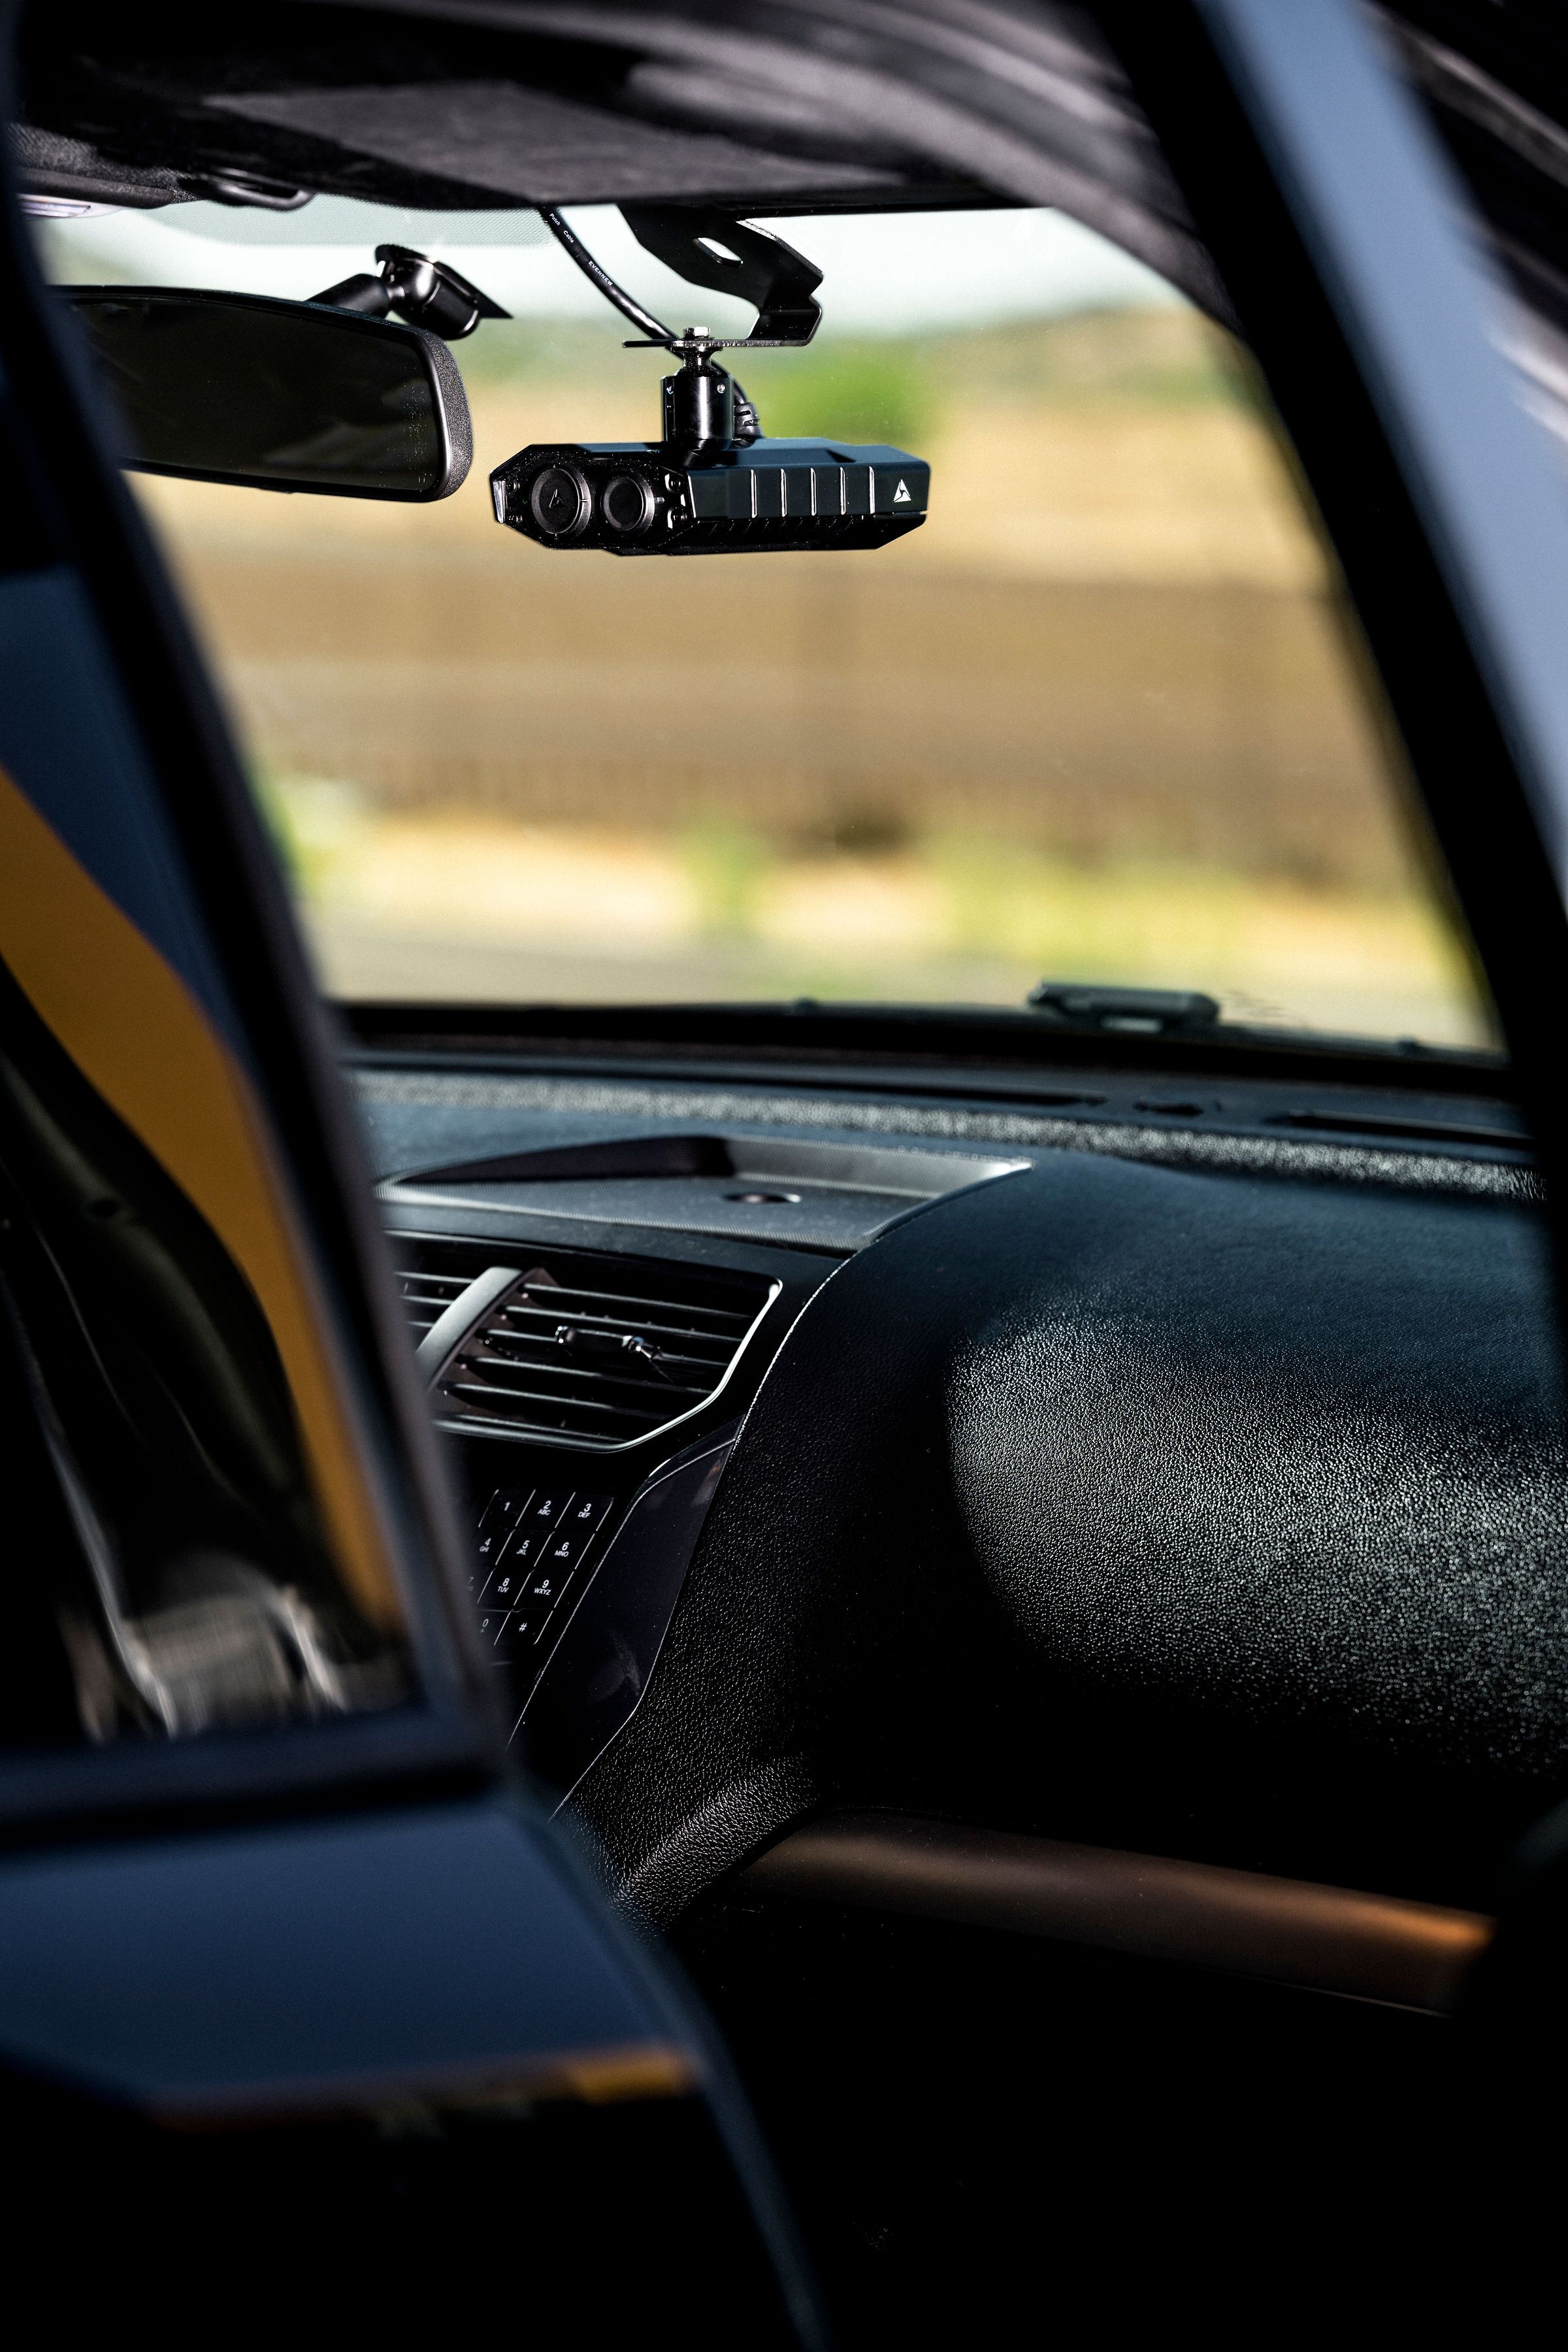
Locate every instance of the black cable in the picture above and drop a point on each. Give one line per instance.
(605, 282)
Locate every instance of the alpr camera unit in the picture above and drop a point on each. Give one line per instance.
(713, 483)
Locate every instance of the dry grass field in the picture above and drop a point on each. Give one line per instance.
(1096, 718)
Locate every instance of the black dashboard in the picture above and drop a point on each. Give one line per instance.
(1174, 1467)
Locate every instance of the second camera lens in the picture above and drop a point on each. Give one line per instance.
(627, 503)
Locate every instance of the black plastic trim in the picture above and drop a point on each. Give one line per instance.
(912, 1038)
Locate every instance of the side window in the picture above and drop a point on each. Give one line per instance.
(191, 1540)
(1100, 719)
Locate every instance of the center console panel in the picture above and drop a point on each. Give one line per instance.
(583, 1534)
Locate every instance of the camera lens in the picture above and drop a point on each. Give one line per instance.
(560, 501)
(627, 503)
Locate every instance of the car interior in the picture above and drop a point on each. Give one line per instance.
(951, 1098)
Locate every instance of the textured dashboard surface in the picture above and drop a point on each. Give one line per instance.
(416, 1117)
(1215, 1508)
(1198, 1514)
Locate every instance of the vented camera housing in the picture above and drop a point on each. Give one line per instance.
(636, 498)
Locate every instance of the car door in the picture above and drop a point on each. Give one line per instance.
(301, 1999)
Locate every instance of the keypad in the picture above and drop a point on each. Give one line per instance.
(532, 1541)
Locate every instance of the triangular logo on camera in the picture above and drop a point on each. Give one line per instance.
(903, 492)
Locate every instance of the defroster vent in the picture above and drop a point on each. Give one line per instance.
(566, 1344)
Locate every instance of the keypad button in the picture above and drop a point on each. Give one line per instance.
(506, 1505)
(504, 1588)
(524, 1548)
(545, 1587)
(518, 1630)
(549, 1507)
(588, 1511)
(560, 1551)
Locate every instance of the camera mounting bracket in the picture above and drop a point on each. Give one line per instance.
(708, 246)
(711, 248)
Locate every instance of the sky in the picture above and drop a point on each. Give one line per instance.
(887, 273)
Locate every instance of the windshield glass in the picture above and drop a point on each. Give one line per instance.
(1100, 718)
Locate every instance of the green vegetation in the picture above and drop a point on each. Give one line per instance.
(898, 388)
(1135, 920)
(477, 906)
(864, 389)
(1165, 358)
(315, 823)
(727, 865)
(553, 351)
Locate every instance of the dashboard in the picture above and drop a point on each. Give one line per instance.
(1168, 1468)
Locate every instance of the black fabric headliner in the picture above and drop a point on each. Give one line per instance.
(536, 146)
(770, 105)
(800, 106)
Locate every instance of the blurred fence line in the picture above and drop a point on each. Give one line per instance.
(805, 698)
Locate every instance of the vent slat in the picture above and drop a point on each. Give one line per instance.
(501, 1329)
(517, 1421)
(624, 1302)
(545, 1306)
(493, 1394)
(668, 1315)
(667, 1325)
(514, 1348)
(427, 1296)
(651, 1388)
(512, 1374)
(482, 1348)
(605, 1427)
(488, 1395)
(554, 1431)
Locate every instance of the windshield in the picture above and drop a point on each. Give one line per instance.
(1100, 718)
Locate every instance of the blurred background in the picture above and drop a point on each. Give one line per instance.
(1100, 718)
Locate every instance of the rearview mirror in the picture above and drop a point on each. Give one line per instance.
(282, 395)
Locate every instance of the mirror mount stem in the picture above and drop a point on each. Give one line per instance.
(423, 293)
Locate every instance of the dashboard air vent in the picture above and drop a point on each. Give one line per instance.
(569, 1345)
(430, 1290)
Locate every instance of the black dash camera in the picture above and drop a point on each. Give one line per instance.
(712, 486)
